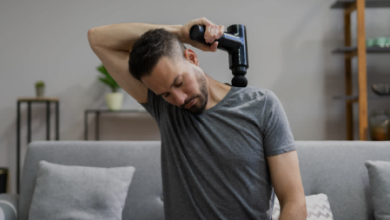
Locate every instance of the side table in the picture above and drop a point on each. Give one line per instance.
(97, 113)
(29, 100)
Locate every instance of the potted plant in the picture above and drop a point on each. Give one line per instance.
(40, 88)
(114, 99)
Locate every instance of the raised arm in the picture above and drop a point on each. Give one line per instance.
(112, 44)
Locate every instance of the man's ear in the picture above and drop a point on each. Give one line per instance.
(191, 56)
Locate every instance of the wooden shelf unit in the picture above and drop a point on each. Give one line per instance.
(369, 4)
(360, 51)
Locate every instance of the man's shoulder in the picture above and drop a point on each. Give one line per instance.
(251, 96)
(260, 91)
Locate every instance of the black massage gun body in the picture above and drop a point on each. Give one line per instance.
(234, 42)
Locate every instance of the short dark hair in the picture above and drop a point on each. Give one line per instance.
(150, 47)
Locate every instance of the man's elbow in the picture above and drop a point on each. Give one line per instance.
(301, 209)
(92, 36)
(300, 206)
(304, 210)
(294, 209)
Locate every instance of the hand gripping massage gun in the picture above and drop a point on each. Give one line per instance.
(234, 42)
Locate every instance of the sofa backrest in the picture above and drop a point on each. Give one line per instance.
(145, 191)
(337, 169)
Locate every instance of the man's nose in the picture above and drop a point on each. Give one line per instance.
(180, 98)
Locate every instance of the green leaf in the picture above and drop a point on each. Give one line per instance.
(108, 80)
(40, 84)
(102, 69)
(105, 81)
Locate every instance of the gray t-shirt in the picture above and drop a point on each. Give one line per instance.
(214, 164)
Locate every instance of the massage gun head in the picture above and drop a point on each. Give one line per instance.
(234, 42)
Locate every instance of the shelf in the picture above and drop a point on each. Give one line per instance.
(356, 98)
(117, 111)
(369, 50)
(38, 99)
(340, 4)
(348, 7)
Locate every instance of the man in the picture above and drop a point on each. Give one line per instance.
(224, 150)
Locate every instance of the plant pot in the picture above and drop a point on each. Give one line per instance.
(114, 100)
(40, 91)
(379, 122)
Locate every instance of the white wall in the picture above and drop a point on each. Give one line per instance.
(290, 44)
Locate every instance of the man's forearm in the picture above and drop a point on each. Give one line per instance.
(123, 36)
(293, 211)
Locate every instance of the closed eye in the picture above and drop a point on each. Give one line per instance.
(167, 94)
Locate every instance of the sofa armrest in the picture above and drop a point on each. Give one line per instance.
(8, 206)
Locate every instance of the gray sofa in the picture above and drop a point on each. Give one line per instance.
(335, 168)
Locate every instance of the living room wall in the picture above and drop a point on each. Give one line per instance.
(290, 44)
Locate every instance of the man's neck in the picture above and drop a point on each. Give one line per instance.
(217, 91)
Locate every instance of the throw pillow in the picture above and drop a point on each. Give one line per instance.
(76, 192)
(379, 175)
(317, 207)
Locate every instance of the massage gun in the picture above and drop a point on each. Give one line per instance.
(234, 42)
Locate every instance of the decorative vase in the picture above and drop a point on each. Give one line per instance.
(380, 125)
(40, 91)
(114, 100)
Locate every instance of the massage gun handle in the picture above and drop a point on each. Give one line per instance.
(197, 34)
(227, 42)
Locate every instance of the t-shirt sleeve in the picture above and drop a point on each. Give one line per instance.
(155, 105)
(277, 134)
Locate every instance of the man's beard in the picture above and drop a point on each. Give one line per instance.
(201, 103)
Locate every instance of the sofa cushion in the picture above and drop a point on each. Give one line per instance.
(317, 207)
(379, 175)
(79, 192)
(8, 206)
